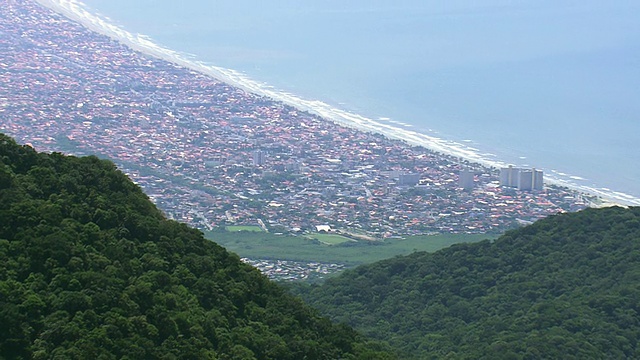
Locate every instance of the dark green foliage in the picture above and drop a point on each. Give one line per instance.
(89, 269)
(566, 287)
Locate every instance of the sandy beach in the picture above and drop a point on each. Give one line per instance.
(75, 10)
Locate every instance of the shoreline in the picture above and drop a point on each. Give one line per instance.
(78, 12)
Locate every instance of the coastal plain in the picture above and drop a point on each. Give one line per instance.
(416, 106)
(350, 253)
(214, 155)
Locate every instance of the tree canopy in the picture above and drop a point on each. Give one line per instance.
(89, 268)
(566, 287)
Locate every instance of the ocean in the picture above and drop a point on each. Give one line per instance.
(545, 84)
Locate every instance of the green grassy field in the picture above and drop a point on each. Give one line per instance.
(329, 239)
(250, 228)
(269, 246)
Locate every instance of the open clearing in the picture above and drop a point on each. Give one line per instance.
(250, 228)
(261, 245)
(329, 239)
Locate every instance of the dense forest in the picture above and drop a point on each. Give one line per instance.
(90, 269)
(566, 287)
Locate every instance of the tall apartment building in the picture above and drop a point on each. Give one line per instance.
(538, 179)
(465, 179)
(522, 179)
(259, 157)
(509, 176)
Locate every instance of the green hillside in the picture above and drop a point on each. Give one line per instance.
(89, 269)
(566, 287)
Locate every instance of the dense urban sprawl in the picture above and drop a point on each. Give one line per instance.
(211, 154)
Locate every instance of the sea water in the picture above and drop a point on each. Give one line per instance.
(548, 84)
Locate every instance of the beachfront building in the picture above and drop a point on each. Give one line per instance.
(522, 179)
(538, 180)
(466, 179)
(509, 176)
(525, 180)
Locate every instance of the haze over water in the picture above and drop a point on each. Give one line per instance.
(549, 84)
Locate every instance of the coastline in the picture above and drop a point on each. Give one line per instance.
(77, 11)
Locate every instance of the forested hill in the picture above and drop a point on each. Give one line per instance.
(566, 287)
(89, 269)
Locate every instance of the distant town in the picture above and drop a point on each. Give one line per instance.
(212, 155)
